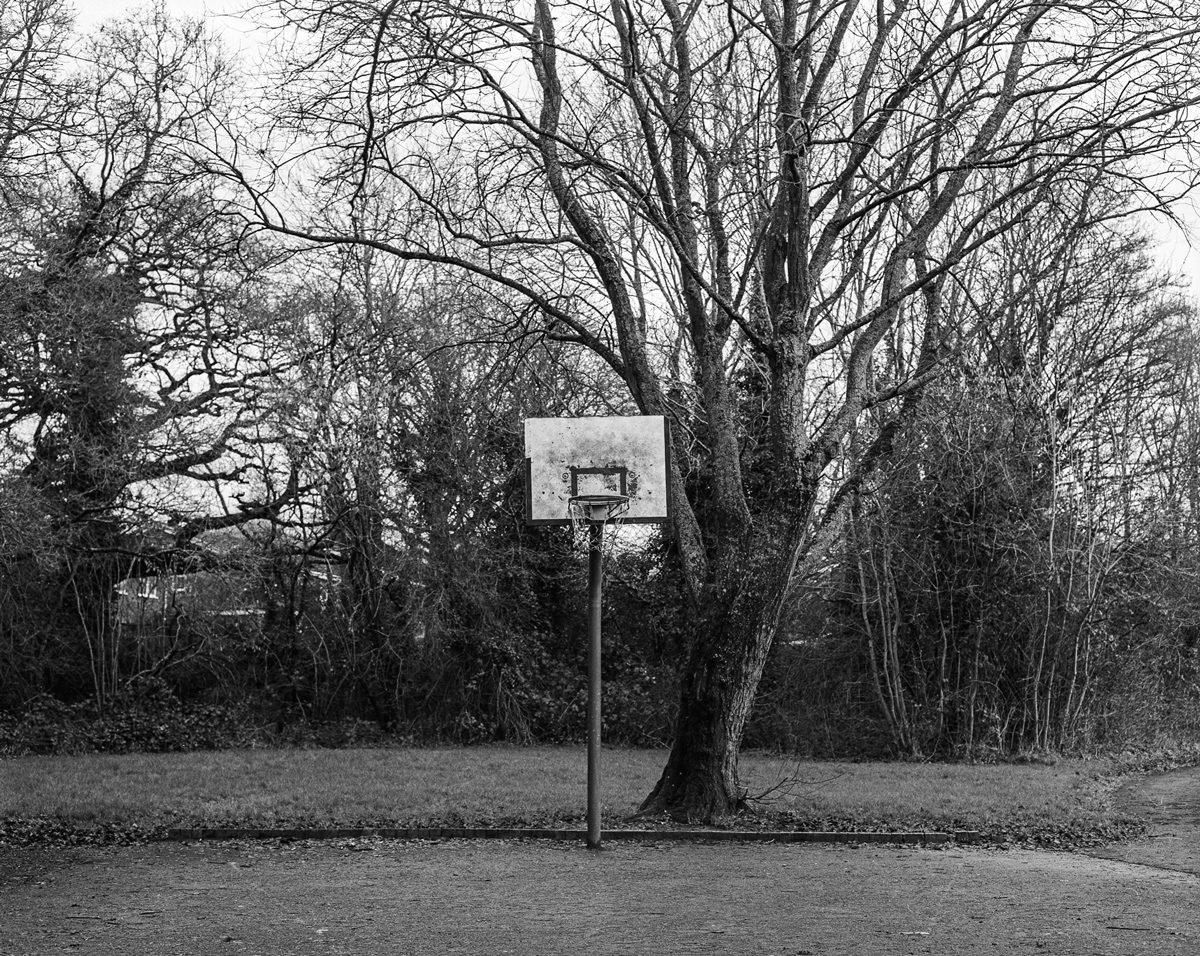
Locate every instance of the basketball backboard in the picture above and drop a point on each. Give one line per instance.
(618, 455)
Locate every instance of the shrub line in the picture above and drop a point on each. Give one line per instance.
(541, 833)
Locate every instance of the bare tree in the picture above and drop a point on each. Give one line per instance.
(36, 93)
(734, 208)
(133, 364)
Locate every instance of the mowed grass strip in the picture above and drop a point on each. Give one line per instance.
(537, 786)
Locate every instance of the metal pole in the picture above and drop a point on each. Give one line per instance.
(595, 572)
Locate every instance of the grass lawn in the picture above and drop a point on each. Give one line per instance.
(541, 786)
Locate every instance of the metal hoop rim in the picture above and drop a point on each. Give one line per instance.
(598, 499)
(617, 505)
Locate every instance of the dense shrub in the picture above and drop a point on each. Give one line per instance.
(145, 717)
(978, 604)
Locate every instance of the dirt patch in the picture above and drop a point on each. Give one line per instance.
(1169, 803)
(389, 897)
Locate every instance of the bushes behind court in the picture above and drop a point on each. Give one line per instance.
(969, 608)
(145, 717)
(317, 684)
(498, 653)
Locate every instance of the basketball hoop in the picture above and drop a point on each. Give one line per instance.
(593, 474)
(592, 509)
(591, 513)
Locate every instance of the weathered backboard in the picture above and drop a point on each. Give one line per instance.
(625, 455)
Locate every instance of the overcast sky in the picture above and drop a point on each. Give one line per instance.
(1175, 251)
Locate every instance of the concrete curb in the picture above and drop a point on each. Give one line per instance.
(535, 833)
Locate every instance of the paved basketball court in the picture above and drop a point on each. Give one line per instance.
(528, 898)
(370, 897)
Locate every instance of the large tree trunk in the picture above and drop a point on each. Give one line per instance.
(700, 781)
